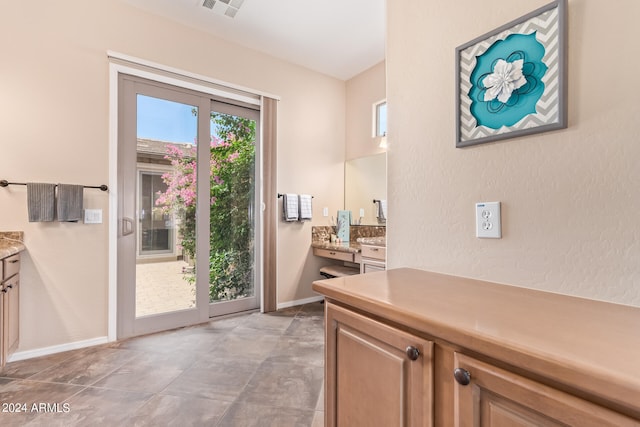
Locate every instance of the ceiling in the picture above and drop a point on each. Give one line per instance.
(335, 37)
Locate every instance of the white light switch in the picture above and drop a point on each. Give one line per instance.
(325, 211)
(488, 222)
(361, 212)
(93, 216)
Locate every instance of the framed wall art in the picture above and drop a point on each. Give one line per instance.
(512, 80)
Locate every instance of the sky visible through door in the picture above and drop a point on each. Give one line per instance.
(162, 120)
(162, 269)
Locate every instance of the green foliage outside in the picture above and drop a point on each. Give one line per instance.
(231, 260)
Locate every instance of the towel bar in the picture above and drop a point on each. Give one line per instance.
(280, 196)
(4, 183)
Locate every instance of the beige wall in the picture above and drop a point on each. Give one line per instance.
(363, 91)
(294, 176)
(54, 128)
(570, 198)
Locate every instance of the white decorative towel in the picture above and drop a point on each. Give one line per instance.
(306, 210)
(382, 211)
(290, 207)
(41, 201)
(69, 204)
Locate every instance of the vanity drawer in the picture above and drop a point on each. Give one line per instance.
(339, 255)
(11, 266)
(374, 252)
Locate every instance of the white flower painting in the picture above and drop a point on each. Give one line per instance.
(506, 77)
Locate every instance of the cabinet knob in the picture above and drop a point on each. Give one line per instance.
(462, 376)
(412, 353)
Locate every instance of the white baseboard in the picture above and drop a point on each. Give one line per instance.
(45, 351)
(288, 304)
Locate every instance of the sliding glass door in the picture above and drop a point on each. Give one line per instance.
(187, 246)
(233, 215)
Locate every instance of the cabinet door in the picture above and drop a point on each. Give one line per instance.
(3, 356)
(495, 397)
(367, 266)
(375, 375)
(11, 315)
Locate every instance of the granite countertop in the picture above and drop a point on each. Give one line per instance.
(359, 234)
(380, 241)
(11, 243)
(351, 247)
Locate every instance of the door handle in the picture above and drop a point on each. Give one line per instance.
(127, 226)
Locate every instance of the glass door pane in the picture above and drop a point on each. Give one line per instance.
(232, 241)
(166, 205)
(156, 225)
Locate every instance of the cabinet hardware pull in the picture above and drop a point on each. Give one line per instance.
(332, 253)
(462, 376)
(10, 286)
(375, 249)
(13, 261)
(4, 291)
(412, 353)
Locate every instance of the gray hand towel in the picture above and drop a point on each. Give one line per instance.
(70, 202)
(41, 201)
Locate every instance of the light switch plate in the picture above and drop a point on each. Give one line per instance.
(93, 216)
(488, 221)
(325, 211)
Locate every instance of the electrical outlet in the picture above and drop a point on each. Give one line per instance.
(488, 221)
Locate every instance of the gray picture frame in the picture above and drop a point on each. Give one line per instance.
(550, 112)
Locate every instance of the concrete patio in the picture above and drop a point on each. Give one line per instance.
(161, 288)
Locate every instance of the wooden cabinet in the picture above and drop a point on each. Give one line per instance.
(373, 258)
(9, 307)
(489, 355)
(495, 397)
(337, 255)
(376, 375)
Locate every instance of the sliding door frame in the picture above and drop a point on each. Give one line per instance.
(129, 324)
(124, 64)
(222, 308)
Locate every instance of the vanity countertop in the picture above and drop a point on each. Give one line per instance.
(359, 234)
(586, 343)
(350, 247)
(380, 241)
(11, 243)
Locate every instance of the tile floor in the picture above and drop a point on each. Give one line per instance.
(248, 370)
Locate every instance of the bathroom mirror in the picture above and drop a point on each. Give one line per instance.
(365, 179)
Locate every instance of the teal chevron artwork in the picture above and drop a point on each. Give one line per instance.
(512, 81)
